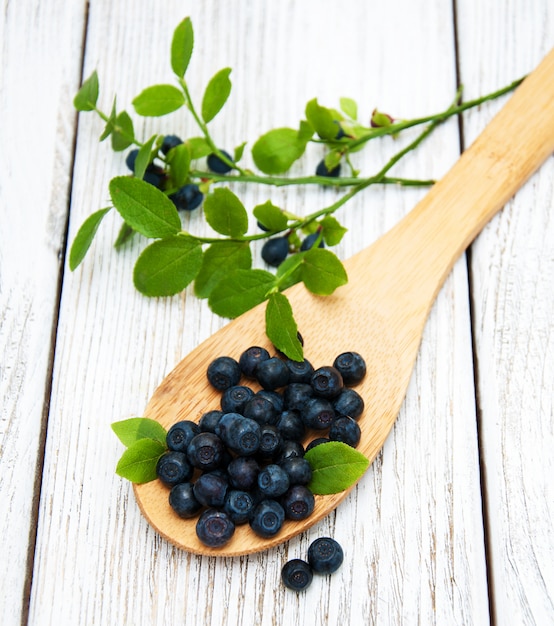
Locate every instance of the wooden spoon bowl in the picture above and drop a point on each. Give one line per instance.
(382, 310)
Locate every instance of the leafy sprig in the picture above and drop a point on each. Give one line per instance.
(221, 267)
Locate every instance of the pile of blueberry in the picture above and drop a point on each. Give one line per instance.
(325, 556)
(244, 462)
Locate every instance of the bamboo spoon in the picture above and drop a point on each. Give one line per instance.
(382, 310)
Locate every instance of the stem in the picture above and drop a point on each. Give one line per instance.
(118, 129)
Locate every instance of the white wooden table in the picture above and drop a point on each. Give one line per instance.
(453, 523)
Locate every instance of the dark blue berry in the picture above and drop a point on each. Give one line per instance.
(249, 359)
(297, 575)
(271, 442)
(340, 133)
(169, 142)
(242, 436)
(183, 502)
(209, 421)
(290, 449)
(298, 503)
(325, 555)
(261, 410)
(267, 518)
(131, 159)
(298, 469)
(210, 489)
(318, 413)
(321, 170)
(345, 429)
(235, 398)
(352, 367)
(272, 374)
(243, 473)
(217, 164)
(239, 505)
(349, 403)
(327, 382)
(180, 435)
(309, 242)
(273, 481)
(291, 426)
(154, 175)
(296, 395)
(274, 397)
(317, 442)
(206, 452)
(187, 198)
(300, 371)
(224, 372)
(275, 251)
(173, 468)
(215, 528)
(262, 227)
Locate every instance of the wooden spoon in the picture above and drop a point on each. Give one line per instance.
(382, 310)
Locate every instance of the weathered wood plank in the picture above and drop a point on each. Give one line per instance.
(40, 59)
(412, 530)
(512, 274)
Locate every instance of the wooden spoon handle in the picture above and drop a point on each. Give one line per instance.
(427, 242)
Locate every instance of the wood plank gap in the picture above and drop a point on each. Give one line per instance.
(37, 487)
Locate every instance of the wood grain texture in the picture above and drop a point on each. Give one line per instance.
(39, 70)
(513, 278)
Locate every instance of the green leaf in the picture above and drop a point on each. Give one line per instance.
(138, 462)
(181, 47)
(349, 107)
(225, 213)
(144, 157)
(290, 271)
(335, 467)
(333, 231)
(322, 272)
(240, 291)
(145, 208)
(110, 124)
(216, 94)
(131, 430)
(125, 233)
(123, 133)
(198, 147)
(305, 132)
(158, 100)
(238, 152)
(281, 327)
(332, 159)
(218, 260)
(87, 96)
(178, 159)
(84, 238)
(271, 216)
(167, 266)
(278, 149)
(322, 120)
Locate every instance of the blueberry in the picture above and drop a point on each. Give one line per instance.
(349, 403)
(214, 528)
(180, 435)
(309, 242)
(262, 227)
(187, 198)
(325, 555)
(173, 468)
(261, 410)
(243, 473)
(223, 372)
(317, 442)
(327, 382)
(273, 481)
(209, 421)
(169, 142)
(298, 469)
(272, 374)
(290, 449)
(275, 251)
(235, 398)
(298, 503)
(297, 575)
(131, 159)
(249, 359)
(274, 397)
(300, 371)
(271, 442)
(210, 489)
(239, 505)
(206, 451)
(321, 170)
(352, 367)
(267, 518)
(340, 133)
(183, 502)
(154, 175)
(318, 413)
(296, 395)
(345, 429)
(217, 165)
(291, 426)
(242, 436)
